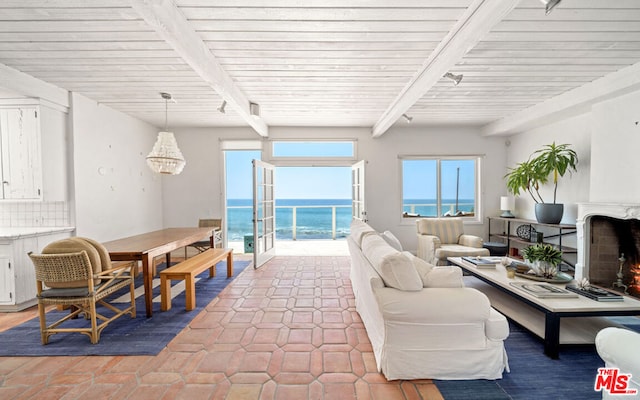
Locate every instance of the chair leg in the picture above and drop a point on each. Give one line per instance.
(43, 324)
(132, 289)
(94, 323)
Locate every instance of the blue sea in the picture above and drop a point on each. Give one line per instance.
(314, 216)
(429, 207)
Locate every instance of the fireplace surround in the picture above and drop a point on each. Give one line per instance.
(604, 232)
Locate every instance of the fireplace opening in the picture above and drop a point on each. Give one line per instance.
(614, 255)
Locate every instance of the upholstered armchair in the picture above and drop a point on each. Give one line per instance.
(439, 238)
(78, 273)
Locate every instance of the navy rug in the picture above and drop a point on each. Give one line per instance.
(535, 376)
(124, 336)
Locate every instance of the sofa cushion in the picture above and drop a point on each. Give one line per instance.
(444, 277)
(358, 230)
(395, 269)
(392, 240)
(433, 276)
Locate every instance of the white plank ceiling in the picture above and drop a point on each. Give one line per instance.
(318, 62)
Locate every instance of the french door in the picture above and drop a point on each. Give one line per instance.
(264, 213)
(358, 210)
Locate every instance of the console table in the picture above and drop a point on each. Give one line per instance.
(556, 320)
(562, 229)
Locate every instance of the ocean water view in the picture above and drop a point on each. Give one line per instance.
(429, 207)
(314, 217)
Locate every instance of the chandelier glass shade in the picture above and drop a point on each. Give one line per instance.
(165, 156)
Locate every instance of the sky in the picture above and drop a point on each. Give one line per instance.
(419, 179)
(419, 176)
(291, 183)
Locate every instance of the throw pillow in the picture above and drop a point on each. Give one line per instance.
(392, 240)
(395, 269)
(422, 267)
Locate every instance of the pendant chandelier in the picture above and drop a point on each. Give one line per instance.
(165, 157)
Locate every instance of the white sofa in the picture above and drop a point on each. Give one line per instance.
(619, 348)
(439, 238)
(421, 321)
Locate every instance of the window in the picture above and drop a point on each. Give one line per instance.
(323, 149)
(440, 186)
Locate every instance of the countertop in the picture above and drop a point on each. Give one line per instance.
(18, 232)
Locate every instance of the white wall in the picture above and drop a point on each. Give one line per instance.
(198, 191)
(116, 194)
(615, 172)
(572, 188)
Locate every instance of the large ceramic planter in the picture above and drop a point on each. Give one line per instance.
(549, 213)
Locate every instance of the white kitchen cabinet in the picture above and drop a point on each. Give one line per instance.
(6, 280)
(20, 153)
(17, 275)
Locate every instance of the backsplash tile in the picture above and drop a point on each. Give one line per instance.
(46, 213)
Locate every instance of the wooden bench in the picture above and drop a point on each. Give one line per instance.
(188, 270)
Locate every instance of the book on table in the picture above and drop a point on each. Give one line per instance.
(543, 290)
(597, 294)
(483, 262)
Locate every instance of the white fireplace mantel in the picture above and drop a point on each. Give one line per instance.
(585, 212)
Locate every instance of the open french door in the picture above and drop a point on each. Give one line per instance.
(358, 210)
(264, 213)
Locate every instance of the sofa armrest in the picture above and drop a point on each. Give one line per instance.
(470, 241)
(427, 245)
(614, 345)
(496, 327)
(436, 305)
(443, 277)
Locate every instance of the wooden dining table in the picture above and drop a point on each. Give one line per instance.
(145, 247)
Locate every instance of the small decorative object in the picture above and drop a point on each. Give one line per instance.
(543, 259)
(511, 272)
(526, 232)
(583, 284)
(618, 283)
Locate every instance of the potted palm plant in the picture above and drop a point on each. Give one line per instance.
(551, 161)
(543, 259)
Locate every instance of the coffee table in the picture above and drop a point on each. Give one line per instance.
(557, 321)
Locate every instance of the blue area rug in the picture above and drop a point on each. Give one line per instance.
(535, 376)
(124, 336)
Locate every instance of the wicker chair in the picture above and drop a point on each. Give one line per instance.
(217, 235)
(77, 286)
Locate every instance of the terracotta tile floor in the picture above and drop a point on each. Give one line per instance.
(288, 330)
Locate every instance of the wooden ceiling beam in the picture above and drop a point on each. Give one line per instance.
(173, 27)
(476, 23)
(568, 104)
(27, 85)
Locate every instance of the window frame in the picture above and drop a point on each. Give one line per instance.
(477, 158)
(312, 160)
